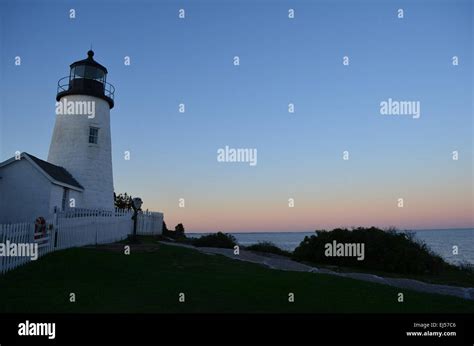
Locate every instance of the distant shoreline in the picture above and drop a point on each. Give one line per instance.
(312, 231)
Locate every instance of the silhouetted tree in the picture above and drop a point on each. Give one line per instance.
(179, 229)
(123, 201)
(178, 232)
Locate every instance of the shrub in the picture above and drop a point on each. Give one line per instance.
(177, 234)
(268, 247)
(388, 251)
(219, 239)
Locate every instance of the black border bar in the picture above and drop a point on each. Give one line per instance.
(220, 329)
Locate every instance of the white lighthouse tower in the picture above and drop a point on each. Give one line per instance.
(81, 140)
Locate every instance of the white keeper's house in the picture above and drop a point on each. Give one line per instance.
(78, 171)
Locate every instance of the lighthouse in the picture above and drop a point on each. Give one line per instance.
(81, 141)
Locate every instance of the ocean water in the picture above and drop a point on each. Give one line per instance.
(440, 241)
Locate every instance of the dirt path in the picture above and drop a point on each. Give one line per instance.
(283, 263)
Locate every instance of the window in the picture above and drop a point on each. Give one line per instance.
(93, 135)
(78, 72)
(94, 73)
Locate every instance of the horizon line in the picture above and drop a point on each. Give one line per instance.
(306, 231)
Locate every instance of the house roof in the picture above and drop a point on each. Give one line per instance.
(56, 172)
(57, 175)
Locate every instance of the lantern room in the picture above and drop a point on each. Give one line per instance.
(87, 77)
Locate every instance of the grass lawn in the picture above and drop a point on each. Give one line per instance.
(450, 277)
(110, 281)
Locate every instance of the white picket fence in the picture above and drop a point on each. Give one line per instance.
(74, 228)
(148, 221)
(86, 227)
(21, 235)
(18, 234)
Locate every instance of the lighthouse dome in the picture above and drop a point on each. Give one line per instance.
(89, 61)
(87, 77)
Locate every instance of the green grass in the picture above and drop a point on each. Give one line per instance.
(109, 281)
(450, 276)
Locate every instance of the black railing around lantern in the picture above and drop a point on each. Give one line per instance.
(67, 84)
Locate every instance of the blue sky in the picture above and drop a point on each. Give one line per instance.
(300, 61)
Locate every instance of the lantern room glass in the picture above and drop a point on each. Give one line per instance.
(88, 72)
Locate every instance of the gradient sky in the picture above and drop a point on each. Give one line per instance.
(189, 61)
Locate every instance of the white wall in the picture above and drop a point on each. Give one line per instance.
(56, 199)
(25, 193)
(90, 164)
(77, 198)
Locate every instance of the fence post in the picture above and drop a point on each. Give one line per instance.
(2, 237)
(55, 227)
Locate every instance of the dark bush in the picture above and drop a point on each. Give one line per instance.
(388, 251)
(268, 247)
(177, 234)
(219, 239)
